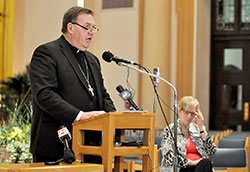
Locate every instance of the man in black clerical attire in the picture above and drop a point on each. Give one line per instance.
(67, 85)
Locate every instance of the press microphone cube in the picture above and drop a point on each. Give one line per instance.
(125, 94)
(63, 134)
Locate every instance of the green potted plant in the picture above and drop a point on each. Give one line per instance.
(12, 92)
(15, 134)
(15, 123)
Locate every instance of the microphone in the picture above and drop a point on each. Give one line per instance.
(64, 136)
(108, 57)
(125, 94)
(157, 73)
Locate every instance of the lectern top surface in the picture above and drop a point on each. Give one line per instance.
(117, 114)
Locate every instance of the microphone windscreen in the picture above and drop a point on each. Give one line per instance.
(63, 133)
(107, 56)
(119, 88)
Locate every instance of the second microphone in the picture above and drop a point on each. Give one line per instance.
(126, 95)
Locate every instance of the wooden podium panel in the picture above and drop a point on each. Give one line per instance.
(40, 167)
(109, 123)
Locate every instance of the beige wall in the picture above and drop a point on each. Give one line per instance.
(119, 34)
(185, 44)
(18, 38)
(36, 22)
(202, 56)
(156, 53)
(173, 52)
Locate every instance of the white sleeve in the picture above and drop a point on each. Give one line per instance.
(78, 116)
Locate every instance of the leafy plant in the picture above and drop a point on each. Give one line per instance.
(14, 91)
(15, 133)
(17, 111)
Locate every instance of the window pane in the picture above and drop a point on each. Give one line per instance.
(245, 14)
(233, 58)
(225, 15)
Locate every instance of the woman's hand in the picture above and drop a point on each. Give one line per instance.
(195, 162)
(199, 119)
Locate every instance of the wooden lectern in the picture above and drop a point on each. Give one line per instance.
(116, 122)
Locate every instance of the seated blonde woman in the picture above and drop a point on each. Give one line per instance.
(194, 144)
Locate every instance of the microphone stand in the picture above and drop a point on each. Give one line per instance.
(156, 82)
(155, 98)
(175, 161)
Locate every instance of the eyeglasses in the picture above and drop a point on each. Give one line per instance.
(87, 28)
(188, 112)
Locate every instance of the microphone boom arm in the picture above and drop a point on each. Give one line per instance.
(175, 107)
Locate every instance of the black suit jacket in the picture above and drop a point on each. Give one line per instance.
(59, 92)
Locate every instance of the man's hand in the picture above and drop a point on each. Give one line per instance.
(87, 115)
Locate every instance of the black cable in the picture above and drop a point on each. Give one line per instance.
(166, 104)
(158, 99)
(133, 92)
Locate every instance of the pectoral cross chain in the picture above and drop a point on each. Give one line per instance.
(91, 90)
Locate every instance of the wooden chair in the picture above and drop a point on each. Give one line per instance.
(238, 135)
(216, 139)
(247, 148)
(160, 131)
(213, 132)
(231, 143)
